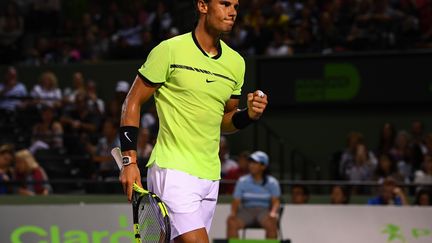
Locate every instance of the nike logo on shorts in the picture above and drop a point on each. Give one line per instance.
(210, 81)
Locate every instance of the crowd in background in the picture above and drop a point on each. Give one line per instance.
(38, 32)
(48, 132)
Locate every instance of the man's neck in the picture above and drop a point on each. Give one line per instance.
(207, 40)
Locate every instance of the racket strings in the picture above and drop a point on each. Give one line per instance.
(152, 226)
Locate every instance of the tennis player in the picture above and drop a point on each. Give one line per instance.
(196, 80)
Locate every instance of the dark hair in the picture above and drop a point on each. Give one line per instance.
(195, 2)
(393, 166)
(346, 192)
(303, 187)
(420, 193)
(266, 174)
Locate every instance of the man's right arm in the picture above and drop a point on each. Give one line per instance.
(139, 93)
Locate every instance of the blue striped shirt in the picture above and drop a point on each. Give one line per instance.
(254, 194)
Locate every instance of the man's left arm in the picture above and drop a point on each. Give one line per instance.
(235, 119)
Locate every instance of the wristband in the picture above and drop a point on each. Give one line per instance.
(241, 119)
(128, 138)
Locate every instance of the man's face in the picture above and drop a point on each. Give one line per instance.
(221, 14)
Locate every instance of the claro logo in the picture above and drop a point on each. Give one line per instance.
(54, 234)
(341, 82)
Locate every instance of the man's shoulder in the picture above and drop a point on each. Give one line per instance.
(177, 39)
(231, 52)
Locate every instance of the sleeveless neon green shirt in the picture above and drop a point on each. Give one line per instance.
(190, 102)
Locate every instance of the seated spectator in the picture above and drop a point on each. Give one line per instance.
(339, 195)
(387, 138)
(362, 166)
(101, 154)
(233, 175)
(144, 149)
(424, 176)
(80, 125)
(12, 91)
(347, 155)
(78, 86)
(402, 153)
(256, 199)
(6, 172)
(48, 133)
(33, 179)
(423, 198)
(387, 168)
(227, 163)
(299, 194)
(46, 92)
(389, 194)
(95, 104)
(149, 120)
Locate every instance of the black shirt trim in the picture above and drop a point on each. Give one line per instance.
(219, 48)
(145, 80)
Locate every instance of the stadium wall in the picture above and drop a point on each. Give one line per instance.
(103, 223)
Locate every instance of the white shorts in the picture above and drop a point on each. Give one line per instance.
(191, 201)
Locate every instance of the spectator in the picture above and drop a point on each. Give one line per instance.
(402, 153)
(428, 143)
(424, 176)
(46, 92)
(33, 179)
(234, 174)
(256, 199)
(387, 138)
(144, 148)
(149, 120)
(96, 105)
(11, 30)
(78, 86)
(387, 167)
(114, 106)
(299, 194)
(121, 90)
(101, 154)
(48, 133)
(347, 155)
(362, 166)
(227, 163)
(280, 45)
(6, 172)
(389, 194)
(11, 91)
(80, 125)
(418, 145)
(339, 195)
(423, 198)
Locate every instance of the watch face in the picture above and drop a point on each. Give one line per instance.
(126, 160)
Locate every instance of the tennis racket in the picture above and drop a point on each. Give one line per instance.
(150, 214)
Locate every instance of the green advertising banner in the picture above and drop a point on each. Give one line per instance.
(111, 223)
(362, 79)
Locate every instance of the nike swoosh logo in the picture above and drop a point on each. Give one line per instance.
(125, 133)
(210, 81)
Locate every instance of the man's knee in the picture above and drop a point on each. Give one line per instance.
(233, 222)
(269, 223)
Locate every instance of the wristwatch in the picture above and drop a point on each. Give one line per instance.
(127, 160)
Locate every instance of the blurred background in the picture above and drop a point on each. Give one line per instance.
(348, 81)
